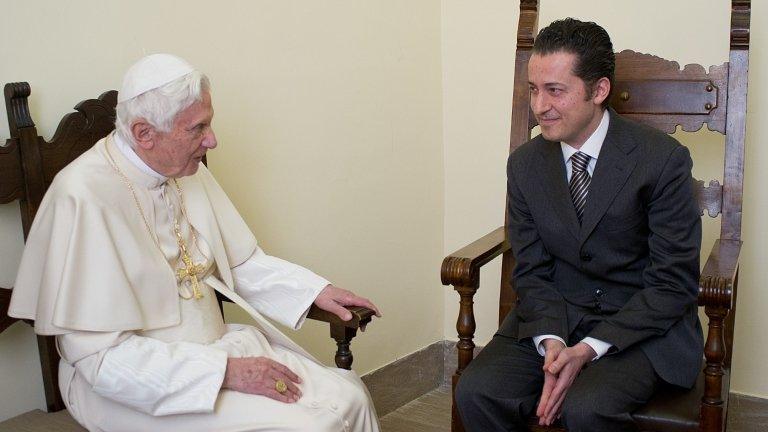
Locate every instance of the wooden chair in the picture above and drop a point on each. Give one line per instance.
(656, 92)
(28, 165)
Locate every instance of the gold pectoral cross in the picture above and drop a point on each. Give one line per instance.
(190, 271)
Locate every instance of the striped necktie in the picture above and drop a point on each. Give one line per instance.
(579, 184)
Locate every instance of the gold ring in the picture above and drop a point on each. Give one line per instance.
(280, 386)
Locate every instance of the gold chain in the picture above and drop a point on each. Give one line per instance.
(190, 270)
(186, 217)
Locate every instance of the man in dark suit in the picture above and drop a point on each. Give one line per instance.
(606, 235)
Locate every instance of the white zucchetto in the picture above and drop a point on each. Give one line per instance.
(151, 72)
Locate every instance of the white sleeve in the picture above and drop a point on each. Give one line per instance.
(279, 289)
(146, 374)
(600, 347)
(538, 342)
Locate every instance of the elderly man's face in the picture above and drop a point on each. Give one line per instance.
(178, 153)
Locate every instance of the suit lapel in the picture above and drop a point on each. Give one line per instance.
(555, 186)
(614, 165)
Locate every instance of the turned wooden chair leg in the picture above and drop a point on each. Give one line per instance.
(712, 404)
(465, 326)
(343, 336)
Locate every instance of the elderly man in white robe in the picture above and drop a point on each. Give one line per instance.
(121, 264)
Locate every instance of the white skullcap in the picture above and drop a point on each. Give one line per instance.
(151, 72)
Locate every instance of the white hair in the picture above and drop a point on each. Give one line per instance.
(159, 107)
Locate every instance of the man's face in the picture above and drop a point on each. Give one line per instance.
(178, 153)
(566, 109)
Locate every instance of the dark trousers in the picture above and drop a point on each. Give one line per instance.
(500, 389)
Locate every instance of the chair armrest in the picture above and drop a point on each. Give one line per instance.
(462, 268)
(361, 316)
(719, 275)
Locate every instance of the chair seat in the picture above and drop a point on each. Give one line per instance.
(40, 421)
(676, 410)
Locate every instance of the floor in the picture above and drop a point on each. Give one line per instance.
(432, 413)
(429, 413)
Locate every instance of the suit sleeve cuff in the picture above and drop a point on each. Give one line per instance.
(538, 342)
(599, 346)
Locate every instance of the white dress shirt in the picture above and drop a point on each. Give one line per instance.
(591, 147)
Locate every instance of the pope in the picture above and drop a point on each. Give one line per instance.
(122, 263)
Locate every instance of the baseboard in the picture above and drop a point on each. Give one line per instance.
(414, 375)
(405, 379)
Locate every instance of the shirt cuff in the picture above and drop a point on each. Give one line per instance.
(599, 346)
(538, 342)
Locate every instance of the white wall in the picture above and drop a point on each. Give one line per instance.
(478, 68)
(329, 120)
(478, 46)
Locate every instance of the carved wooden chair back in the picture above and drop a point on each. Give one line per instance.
(28, 165)
(658, 93)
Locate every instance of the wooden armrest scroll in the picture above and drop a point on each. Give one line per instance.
(719, 274)
(462, 268)
(717, 293)
(361, 316)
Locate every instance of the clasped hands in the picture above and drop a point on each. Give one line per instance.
(561, 366)
(258, 375)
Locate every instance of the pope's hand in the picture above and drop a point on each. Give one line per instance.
(333, 299)
(259, 375)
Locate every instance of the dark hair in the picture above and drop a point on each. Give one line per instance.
(588, 41)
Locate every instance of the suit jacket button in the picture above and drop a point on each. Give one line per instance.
(598, 292)
(586, 257)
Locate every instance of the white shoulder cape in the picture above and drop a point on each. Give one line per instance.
(90, 264)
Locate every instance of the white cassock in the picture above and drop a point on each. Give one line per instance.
(136, 356)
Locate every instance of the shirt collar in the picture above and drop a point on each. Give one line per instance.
(593, 144)
(131, 155)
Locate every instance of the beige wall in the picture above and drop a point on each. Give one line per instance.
(478, 43)
(329, 120)
(364, 139)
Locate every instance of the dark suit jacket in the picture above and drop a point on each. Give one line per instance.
(628, 274)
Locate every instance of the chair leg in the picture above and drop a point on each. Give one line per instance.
(456, 425)
(465, 326)
(343, 336)
(712, 419)
(49, 365)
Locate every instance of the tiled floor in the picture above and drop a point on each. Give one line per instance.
(429, 413)
(432, 413)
